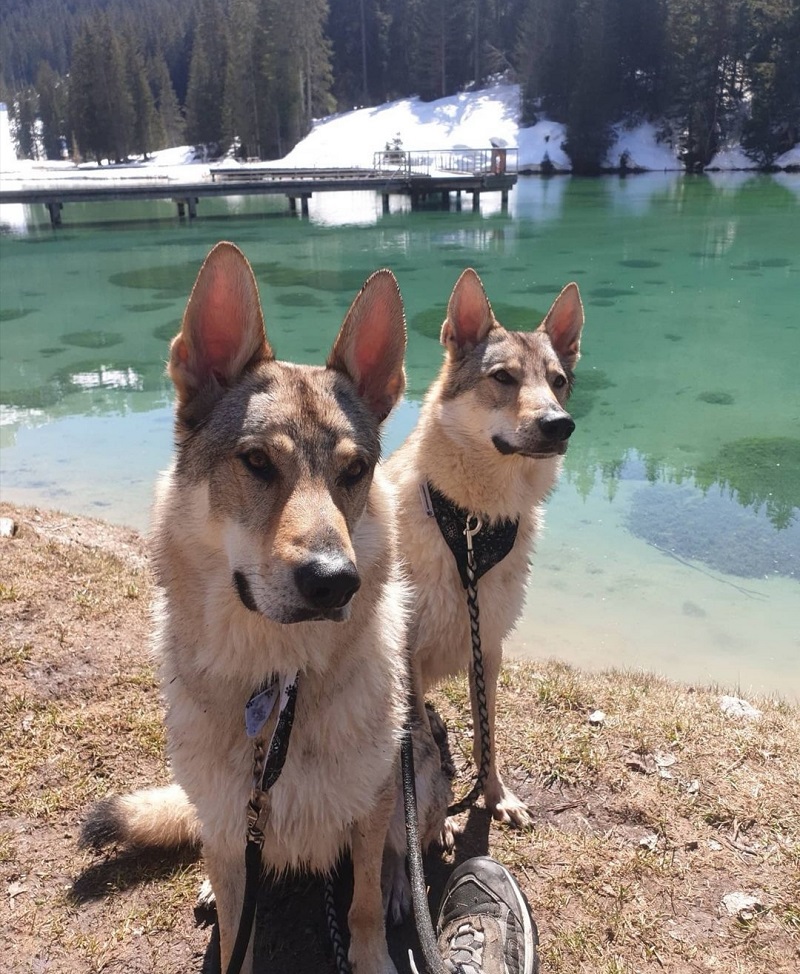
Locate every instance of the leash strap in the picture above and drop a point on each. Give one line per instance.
(422, 918)
(334, 930)
(460, 528)
(268, 762)
(476, 676)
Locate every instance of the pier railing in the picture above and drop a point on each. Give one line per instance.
(468, 162)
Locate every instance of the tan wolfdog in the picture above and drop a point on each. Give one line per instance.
(275, 550)
(489, 442)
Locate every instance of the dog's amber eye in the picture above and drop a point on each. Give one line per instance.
(503, 377)
(558, 381)
(354, 472)
(258, 463)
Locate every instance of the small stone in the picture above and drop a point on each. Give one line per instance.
(8, 527)
(736, 707)
(744, 906)
(597, 718)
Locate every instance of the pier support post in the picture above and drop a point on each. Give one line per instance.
(54, 208)
(304, 203)
(445, 198)
(385, 198)
(476, 202)
(292, 204)
(186, 203)
(504, 201)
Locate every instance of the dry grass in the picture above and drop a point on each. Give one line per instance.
(644, 822)
(81, 717)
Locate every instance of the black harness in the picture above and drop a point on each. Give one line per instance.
(491, 543)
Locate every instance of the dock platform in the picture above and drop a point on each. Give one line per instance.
(421, 176)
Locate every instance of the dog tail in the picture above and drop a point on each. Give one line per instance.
(154, 818)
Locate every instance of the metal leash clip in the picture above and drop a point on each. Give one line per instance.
(473, 526)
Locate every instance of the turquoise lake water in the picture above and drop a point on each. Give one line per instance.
(673, 540)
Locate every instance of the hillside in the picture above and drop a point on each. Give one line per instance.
(113, 78)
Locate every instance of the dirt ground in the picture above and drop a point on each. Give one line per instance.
(648, 815)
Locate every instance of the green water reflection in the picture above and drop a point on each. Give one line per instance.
(686, 459)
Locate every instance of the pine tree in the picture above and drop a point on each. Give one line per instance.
(295, 66)
(589, 113)
(243, 80)
(205, 93)
(144, 134)
(23, 111)
(705, 58)
(52, 110)
(169, 120)
(432, 76)
(100, 105)
(547, 57)
(774, 79)
(403, 44)
(84, 119)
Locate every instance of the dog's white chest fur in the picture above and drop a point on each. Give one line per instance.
(340, 731)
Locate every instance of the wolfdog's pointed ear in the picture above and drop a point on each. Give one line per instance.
(371, 344)
(223, 328)
(469, 314)
(564, 323)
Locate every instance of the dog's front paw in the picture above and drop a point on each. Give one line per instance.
(205, 906)
(447, 837)
(509, 810)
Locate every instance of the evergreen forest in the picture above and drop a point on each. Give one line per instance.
(105, 79)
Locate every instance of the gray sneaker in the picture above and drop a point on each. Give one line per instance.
(485, 925)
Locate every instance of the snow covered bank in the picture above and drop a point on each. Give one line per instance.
(466, 120)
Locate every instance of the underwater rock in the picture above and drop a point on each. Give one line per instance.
(92, 339)
(717, 398)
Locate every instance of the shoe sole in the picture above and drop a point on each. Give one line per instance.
(530, 930)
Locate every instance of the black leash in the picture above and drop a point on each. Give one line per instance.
(460, 529)
(268, 763)
(334, 930)
(476, 679)
(419, 897)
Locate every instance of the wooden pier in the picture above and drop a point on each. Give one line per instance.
(420, 176)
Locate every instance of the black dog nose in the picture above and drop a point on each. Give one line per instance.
(327, 581)
(557, 426)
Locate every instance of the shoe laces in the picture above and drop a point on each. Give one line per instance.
(465, 954)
